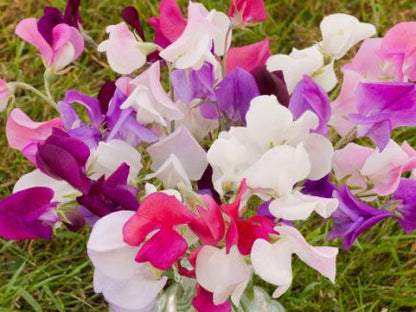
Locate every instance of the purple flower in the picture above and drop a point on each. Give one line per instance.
(107, 120)
(194, 84)
(131, 16)
(322, 188)
(28, 214)
(63, 158)
(352, 217)
(310, 96)
(406, 193)
(382, 107)
(235, 92)
(111, 194)
(272, 83)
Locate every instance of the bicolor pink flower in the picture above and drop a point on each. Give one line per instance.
(24, 134)
(398, 47)
(28, 214)
(161, 214)
(116, 270)
(273, 261)
(204, 302)
(248, 10)
(124, 53)
(67, 43)
(150, 100)
(248, 57)
(244, 233)
(5, 94)
(193, 47)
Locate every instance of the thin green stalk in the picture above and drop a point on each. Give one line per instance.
(25, 86)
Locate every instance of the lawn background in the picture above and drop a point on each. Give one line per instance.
(377, 273)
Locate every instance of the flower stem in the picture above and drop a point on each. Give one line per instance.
(25, 86)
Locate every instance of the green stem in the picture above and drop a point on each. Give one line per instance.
(25, 86)
(46, 80)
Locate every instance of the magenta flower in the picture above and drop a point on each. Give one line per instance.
(244, 233)
(24, 134)
(383, 107)
(406, 194)
(204, 302)
(248, 10)
(248, 57)
(162, 213)
(353, 217)
(28, 214)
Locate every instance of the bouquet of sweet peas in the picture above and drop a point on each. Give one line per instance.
(193, 167)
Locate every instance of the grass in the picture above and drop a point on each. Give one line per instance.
(377, 274)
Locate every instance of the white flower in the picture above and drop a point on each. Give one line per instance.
(222, 274)
(273, 262)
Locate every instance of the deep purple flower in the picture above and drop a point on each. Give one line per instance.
(382, 107)
(111, 194)
(131, 16)
(321, 188)
(272, 83)
(309, 96)
(263, 210)
(235, 92)
(63, 157)
(52, 17)
(352, 217)
(105, 95)
(406, 193)
(28, 214)
(194, 84)
(205, 185)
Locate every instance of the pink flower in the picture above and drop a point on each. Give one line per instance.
(399, 47)
(248, 57)
(5, 94)
(248, 10)
(67, 43)
(170, 25)
(159, 213)
(24, 134)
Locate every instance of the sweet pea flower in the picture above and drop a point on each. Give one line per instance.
(221, 273)
(273, 261)
(177, 158)
(272, 83)
(353, 217)
(204, 302)
(115, 268)
(248, 10)
(64, 158)
(244, 233)
(381, 107)
(193, 46)
(28, 214)
(149, 100)
(170, 25)
(24, 134)
(124, 52)
(110, 194)
(5, 95)
(65, 47)
(398, 48)
(309, 96)
(308, 61)
(161, 213)
(234, 94)
(340, 32)
(248, 57)
(382, 169)
(110, 155)
(406, 208)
